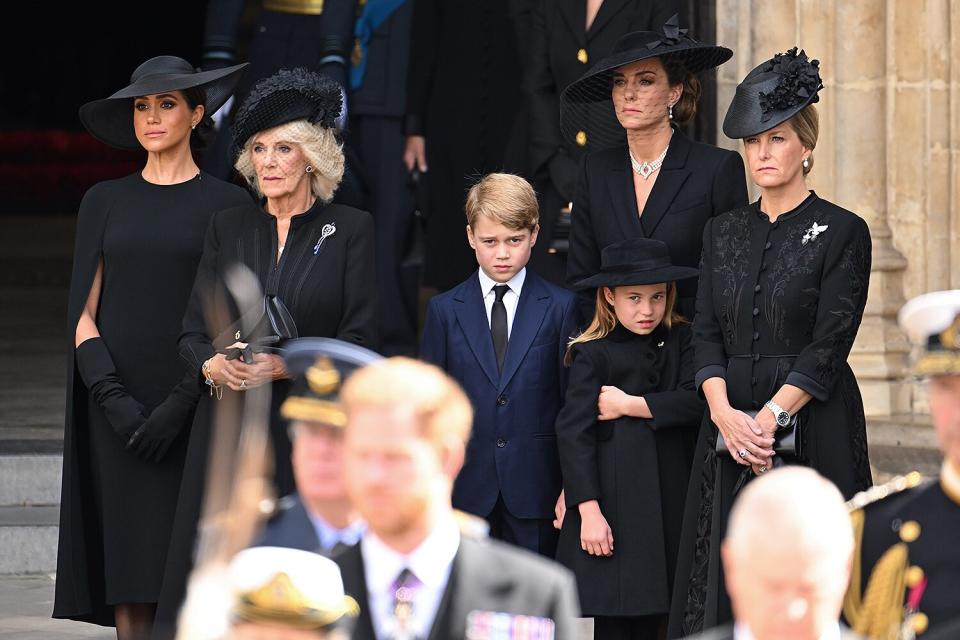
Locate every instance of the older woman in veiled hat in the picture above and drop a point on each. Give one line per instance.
(783, 285)
(314, 260)
(138, 242)
(644, 177)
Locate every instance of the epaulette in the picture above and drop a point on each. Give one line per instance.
(881, 491)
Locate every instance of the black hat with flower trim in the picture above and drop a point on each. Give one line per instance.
(772, 93)
(287, 95)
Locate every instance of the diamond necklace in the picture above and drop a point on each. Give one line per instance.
(645, 169)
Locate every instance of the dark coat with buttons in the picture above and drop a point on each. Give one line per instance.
(513, 447)
(636, 468)
(696, 182)
(937, 512)
(779, 303)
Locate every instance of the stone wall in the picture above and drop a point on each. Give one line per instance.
(889, 147)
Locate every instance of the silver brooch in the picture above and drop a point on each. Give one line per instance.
(812, 233)
(328, 230)
(660, 344)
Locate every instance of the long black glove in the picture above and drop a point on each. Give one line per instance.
(98, 372)
(154, 438)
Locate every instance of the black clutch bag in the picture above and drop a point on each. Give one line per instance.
(787, 440)
(272, 325)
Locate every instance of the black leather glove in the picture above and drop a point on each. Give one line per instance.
(154, 438)
(563, 174)
(98, 372)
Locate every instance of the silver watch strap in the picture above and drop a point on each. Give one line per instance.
(777, 409)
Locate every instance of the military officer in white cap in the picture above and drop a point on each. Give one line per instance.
(906, 574)
(287, 594)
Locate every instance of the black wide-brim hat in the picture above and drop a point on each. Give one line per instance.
(110, 120)
(586, 104)
(286, 96)
(772, 93)
(635, 261)
(319, 367)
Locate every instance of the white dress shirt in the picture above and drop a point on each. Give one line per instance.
(510, 299)
(329, 535)
(431, 563)
(742, 632)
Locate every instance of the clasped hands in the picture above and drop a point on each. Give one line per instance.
(741, 433)
(240, 376)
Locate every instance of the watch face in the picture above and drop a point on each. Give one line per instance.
(783, 419)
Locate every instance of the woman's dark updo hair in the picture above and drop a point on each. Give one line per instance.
(686, 107)
(205, 131)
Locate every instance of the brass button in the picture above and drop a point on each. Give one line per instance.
(914, 576)
(910, 531)
(581, 138)
(582, 56)
(919, 621)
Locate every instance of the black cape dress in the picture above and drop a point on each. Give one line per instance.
(115, 508)
(328, 286)
(636, 468)
(778, 303)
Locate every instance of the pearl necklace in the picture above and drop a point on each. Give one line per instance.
(646, 169)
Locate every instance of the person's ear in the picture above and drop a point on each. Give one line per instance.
(452, 454)
(608, 295)
(533, 235)
(470, 238)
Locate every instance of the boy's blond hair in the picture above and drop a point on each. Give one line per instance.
(506, 199)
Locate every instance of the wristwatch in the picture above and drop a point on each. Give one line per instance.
(781, 415)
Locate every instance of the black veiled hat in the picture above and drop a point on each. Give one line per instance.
(110, 120)
(635, 261)
(586, 104)
(287, 95)
(773, 92)
(319, 367)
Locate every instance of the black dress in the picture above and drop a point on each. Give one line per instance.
(116, 509)
(696, 182)
(637, 468)
(778, 304)
(329, 289)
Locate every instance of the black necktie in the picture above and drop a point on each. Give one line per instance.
(498, 324)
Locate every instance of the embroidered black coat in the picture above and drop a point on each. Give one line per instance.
(778, 303)
(636, 468)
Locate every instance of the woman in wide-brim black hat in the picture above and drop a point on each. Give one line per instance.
(313, 256)
(644, 177)
(625, 472)
(783, 285)
(139, 239)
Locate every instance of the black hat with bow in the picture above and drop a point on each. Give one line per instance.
(110, 120)
(586, 104)
(772, 93)
(286, 96)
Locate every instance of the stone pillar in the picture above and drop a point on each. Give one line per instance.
(853, 157)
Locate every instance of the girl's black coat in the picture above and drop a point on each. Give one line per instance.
(636, 468)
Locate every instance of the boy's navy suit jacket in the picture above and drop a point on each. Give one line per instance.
(513, 445)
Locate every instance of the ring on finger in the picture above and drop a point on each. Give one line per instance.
(742, 453)
(762, 469)
(243, 383)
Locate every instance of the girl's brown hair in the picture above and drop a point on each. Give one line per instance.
(605, 319)
(806, 124)
(686, 107)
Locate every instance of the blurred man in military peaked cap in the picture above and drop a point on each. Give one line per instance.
(416, 573)
(287, 594)
(906, 574)
(319, 516)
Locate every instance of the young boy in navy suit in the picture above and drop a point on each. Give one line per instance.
(502, 335)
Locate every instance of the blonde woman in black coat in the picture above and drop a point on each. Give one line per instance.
(675, 184)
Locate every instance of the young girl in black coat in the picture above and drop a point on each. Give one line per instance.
(625, 435)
